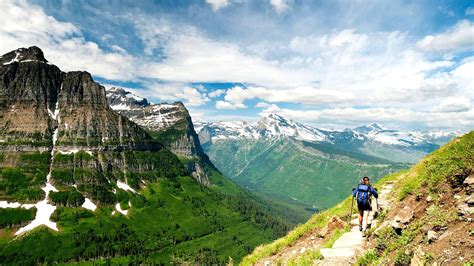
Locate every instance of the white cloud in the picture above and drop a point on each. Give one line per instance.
(263, 105)
(470, 11)
(303, 94)
(192, 57)
(228, 105)
(216, 93)
(331, 117)
(459, 38)
(454, 104)
(279, 5)
(162, 92)
(24, 25)
(217, 4)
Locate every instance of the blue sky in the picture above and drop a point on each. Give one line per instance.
(333, 64)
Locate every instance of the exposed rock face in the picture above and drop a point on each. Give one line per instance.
(120, 99)
(171, 124)
(32, 53)
(469, 183)
(67, 115)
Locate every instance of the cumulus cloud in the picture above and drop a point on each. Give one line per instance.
(190, 56)
(279, 5)
(167, 92)
(459, 38)
(454, 104)
(217, 4)
(24, 25)
(216, 93)
(263, 105)
(303, 94)
(229, 105)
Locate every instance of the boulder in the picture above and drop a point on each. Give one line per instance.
(429, 198)
(397, 226)
(470, 200)
(432, 236)
(469, 184)
(405, 215)
(334, 223)
(465, 209)
(418, 258)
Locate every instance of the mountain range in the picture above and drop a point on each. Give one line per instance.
(294, 163)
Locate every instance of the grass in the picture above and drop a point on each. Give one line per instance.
(453, 159)
(316, 179)
(171, 220)
(370, 257)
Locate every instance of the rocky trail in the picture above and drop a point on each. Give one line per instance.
(345, 249)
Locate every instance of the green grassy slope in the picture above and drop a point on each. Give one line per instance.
(289, 170)
(171, 220)
(453, 161)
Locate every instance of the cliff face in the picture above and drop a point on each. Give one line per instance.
(171, 124)
(64, 119)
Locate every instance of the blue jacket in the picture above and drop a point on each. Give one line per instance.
(365, 187)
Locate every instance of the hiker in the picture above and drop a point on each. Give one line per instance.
(363, 194)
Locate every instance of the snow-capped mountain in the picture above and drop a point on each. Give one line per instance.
(276, 126)
(271, 126)
(120, 99)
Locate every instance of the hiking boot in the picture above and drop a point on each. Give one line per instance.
(360, 228)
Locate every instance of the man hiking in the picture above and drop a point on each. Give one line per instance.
(363, 194)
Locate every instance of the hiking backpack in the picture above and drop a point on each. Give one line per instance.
(363, 194)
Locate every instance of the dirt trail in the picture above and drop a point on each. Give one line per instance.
(345, 249)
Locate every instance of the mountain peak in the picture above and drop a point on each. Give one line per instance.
(30, 54)
(121, 99)
(377, 126)
(372, 127)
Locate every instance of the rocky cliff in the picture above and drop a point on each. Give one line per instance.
(58, 127)
(169, 123)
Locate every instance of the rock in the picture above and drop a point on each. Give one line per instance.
(302, 250)
(432, 236)
(418, 258)
(323, 232)
(312, 237)
(32, 53)
(457, 197)
(405, 215)
(334, 223)
(464, 209)
(470, 201)
(429, 199)
(469, 183)
(397, 226)
(162, 118)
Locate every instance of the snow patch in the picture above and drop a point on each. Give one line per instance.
(121, 106)
(6, 204)
(88, 204)
(14, 59)
(117, 207)
(44, 209)
(125, 186)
